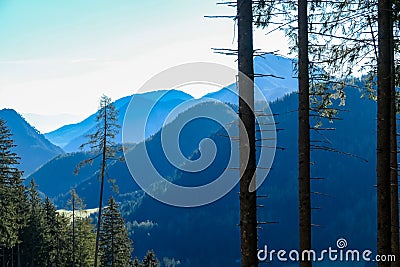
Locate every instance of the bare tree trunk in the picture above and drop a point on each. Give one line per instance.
(383, 134)
(304, 134)
(394, 187)
(112, 243)
(248, 209)
(103, 169)
(73, 231)
(19, 257)
(394, 193)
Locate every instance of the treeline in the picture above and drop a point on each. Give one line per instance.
(34, 233)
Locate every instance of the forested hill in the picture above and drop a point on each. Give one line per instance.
(345, 195)
(344, 199)
(31, 146)
(70, 137)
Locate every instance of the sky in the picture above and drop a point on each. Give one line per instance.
(58, 57)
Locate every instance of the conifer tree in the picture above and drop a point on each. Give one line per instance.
(33, 236)
(115, 244)
(48, 250)
(74, 203)
(10, 189)
(85, 240)
(12, 196)
(136, 262)
(63, 245)
(150, 260)
(101, 143)
(82, 235)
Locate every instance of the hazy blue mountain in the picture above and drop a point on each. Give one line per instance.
(70, 137)
(56, 184)
(64, 135)
(49, 122)
(32, 146)
(282, 81)
(53, 182)
(345, 200)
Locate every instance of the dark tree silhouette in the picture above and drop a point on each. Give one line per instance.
(115, 244)
(383, 127)
(304, 133)
(248, 209)
(150, 260)
(102, 144)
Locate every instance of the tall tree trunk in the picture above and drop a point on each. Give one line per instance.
(248, 209)
(112, 243)
(73, 231)
(394, 193)
(102, 174)
(304, 134)
(19, 257)
(383, 134)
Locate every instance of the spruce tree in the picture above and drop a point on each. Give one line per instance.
(115, 245)
(101, 143)
(85, 240)
(150, 260)
(48, 250)
(12, 199)
(136, 262)
(63, 245)
(82, 234)
(11, 190)
(54, 250)
(34, 233)
(74, 203)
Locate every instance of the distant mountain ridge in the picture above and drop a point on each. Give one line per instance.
(32, 146)
(49, 122)
(349, 211)
(280, 83)
(70, 137)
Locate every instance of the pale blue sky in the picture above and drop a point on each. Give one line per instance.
(59, 56)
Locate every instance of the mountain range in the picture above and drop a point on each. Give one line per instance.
(343, 198)
(31, 146)
(70, 137)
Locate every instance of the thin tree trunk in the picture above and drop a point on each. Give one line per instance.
(383, 129)
(112, 243)
(19, 257)
(394, 193)
(73, 230)
(304, 134)
(103, 168)
(248, 209)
